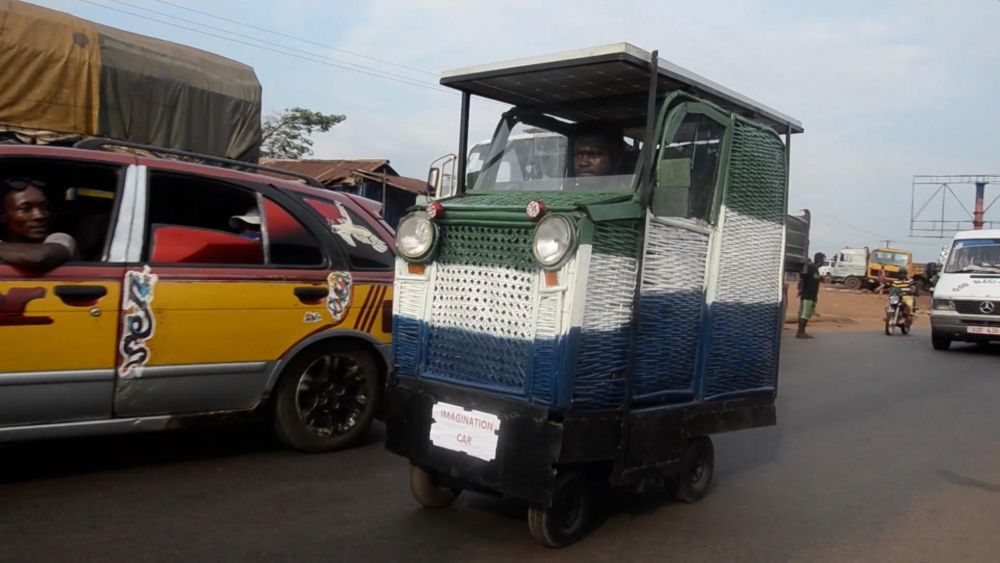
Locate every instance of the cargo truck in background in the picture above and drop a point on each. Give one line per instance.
(858, 268)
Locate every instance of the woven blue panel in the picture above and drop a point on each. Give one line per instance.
(744, 355)
(406, 345)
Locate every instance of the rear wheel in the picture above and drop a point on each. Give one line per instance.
(940, 341)
(697, 470)
(428, 491)
(852, 282)
(326, 399)
(569, 517)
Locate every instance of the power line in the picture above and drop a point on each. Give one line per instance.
(287, 51)
(293, 37)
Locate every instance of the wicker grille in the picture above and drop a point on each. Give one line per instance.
(745, 313)
(482, 319)
(409, 297)
(602, 358)
(546, 350)
(671, 302)
(520, 199)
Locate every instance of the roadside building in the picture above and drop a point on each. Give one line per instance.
(372, 179)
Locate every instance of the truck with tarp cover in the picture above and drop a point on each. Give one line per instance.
(590, 319)
(65, 79)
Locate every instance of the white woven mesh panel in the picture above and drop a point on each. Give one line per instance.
(610, 283)
(495, 301)
(545, 349)
(548, 317)
(675, 259)
(750, 260)
(409, 296)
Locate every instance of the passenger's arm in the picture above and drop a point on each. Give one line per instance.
(44, 256)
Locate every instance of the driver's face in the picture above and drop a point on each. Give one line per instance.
(592, 159)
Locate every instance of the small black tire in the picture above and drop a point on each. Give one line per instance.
(940, 341)
(905, 328)
(888, 327)
(852, 282)
(694, 480)
(570, 515)
(346, 387)
(428, 492)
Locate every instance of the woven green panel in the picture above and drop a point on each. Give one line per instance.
(553, 200)
(486, 246)
(756, 185)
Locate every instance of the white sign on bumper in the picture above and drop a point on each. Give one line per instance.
(473, 432)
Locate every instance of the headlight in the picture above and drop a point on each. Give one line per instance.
(893, 299)
(415, 236)
(944, 304)
(553, 240)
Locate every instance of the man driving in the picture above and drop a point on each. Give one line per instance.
(598, 152)
(25, 240)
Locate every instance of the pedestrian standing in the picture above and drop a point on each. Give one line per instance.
(809, 293)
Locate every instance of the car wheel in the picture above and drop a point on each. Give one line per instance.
(691, 484)
(428, 492)
(326, 399)
(569, 517)
(940, 341)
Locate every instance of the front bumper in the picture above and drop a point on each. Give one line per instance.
(956, 325)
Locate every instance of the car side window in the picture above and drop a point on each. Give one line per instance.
(289, 242)
(365, 247)
(688, 170)
(80, 199)
(196, 220)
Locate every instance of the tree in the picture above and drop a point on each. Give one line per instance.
(286, 134)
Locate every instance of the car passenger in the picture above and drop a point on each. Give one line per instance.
(25, 240)
(247, 224)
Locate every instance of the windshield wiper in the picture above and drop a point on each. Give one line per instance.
(980, 268)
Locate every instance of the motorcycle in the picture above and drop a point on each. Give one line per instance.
(899, 310)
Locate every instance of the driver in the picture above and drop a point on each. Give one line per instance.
(598, 152)
(24, 216)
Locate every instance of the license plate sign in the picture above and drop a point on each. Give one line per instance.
(984, 330)
(472, 432)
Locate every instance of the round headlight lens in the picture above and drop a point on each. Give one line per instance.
(553, 240)
(415, 236)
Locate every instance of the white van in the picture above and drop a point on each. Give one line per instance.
(967, 297)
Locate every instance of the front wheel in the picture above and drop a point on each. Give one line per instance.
(326, 399)
(569, 517)
(940, 342)
(428, 492)
(888, 327)
(852, 282)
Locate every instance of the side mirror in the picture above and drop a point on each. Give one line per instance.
(433, 180)
(673, 188)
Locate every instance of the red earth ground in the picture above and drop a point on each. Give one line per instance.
(844, 309)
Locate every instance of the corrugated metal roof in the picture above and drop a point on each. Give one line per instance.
(413, 185)
(331, 171)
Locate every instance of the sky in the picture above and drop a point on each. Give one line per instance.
(885, 89)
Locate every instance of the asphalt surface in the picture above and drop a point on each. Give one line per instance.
(884, 450)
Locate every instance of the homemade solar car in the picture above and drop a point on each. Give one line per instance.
(198, 290)
(584, 318)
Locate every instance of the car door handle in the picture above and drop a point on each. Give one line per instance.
(80, 295)
(310, 294)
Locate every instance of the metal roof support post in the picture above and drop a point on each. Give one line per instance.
(463, 142)
(650, 149)
(977, 215)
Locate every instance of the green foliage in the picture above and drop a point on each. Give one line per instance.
(286, 134)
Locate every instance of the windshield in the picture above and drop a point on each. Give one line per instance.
(974, 255)
(540, 153)
(890, 258)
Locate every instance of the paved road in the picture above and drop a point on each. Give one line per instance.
(885, 450)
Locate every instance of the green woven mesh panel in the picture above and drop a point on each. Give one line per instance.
(521, 199)
(487, 246)
(756, 184)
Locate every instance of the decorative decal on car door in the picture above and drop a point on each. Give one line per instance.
(347, 230)
(339, 297)
(138, 323)
(14, 304)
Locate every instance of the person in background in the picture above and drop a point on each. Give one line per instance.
(247, 224)
(809, 293)
(25, 240)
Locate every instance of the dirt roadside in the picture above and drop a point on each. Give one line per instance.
(843, 309)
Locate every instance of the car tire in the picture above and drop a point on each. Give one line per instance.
(693, 481)
(571, 512)
(428, 492)
(940, 341)
(852, 283)
(326, 399)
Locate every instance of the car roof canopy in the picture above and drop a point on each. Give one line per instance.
(567, 81)
(65, 75)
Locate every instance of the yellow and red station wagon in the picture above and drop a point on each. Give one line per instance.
(171, 312)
